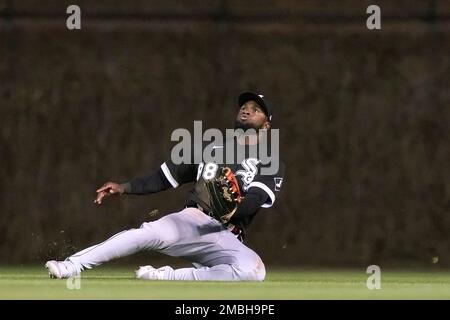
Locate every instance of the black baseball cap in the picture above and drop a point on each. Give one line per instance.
(259, 99)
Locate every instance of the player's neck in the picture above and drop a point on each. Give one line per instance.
(248, 139)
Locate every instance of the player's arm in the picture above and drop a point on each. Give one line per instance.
(152, 183)
(144, 185)
(253, 200)
(168, 175)
(262, 192)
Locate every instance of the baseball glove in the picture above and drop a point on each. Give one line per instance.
(224, 194)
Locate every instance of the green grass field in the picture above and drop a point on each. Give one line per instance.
(119, 283)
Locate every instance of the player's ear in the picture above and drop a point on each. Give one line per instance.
(266, 125)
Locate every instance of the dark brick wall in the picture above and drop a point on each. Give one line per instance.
(363, 117)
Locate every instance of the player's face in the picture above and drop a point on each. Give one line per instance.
(251, 116)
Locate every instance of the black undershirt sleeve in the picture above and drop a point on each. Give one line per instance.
(253, 200)
(148, 184)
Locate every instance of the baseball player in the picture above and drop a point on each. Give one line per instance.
(213, 244)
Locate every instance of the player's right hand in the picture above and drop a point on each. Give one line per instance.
(108, 189)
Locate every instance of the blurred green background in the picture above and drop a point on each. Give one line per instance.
(363, 115)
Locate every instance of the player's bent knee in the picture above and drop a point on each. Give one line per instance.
(257, 272)
(260, 271)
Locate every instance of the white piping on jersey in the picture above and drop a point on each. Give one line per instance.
(169, 176)
(267, 190)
